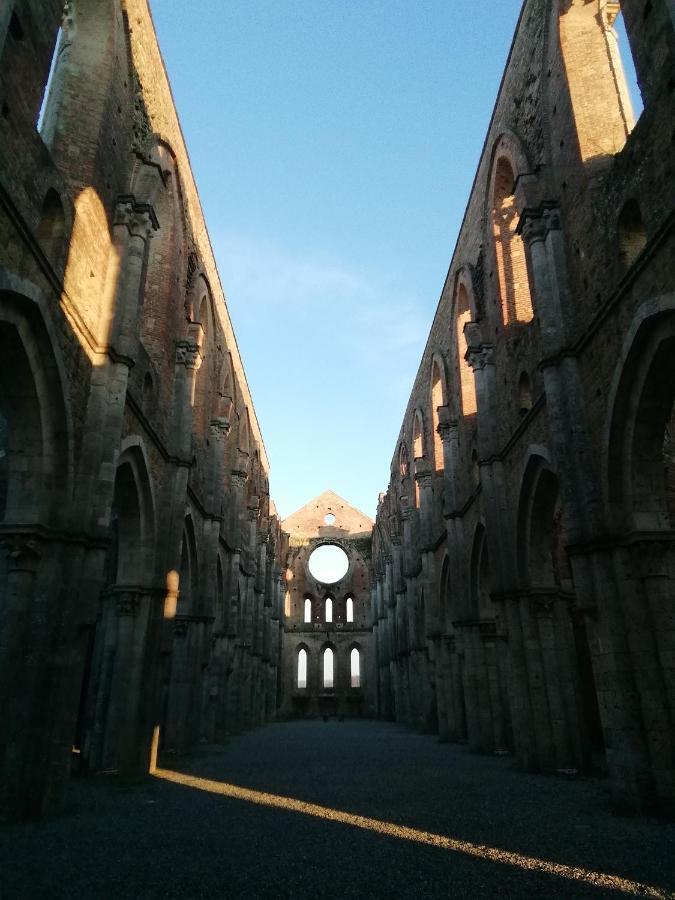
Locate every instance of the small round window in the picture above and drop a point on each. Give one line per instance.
(328, 563)
(329, 519)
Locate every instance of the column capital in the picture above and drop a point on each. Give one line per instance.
(536, 222)
(188, 355)
(220, 427)
(481, 356)
(139, 218)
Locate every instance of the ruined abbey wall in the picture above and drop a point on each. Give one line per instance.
(524, 552)
(140, 582)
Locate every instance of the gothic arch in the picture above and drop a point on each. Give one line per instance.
(36, 417)
(479, 576)
(189, 568)
(438, 398)
(639, 463)
(540, 536)
(132, 521)
(446, 614)
(465, 311)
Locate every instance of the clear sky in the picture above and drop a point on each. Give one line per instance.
(334, 143)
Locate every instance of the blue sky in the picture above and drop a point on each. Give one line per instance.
(334, 144)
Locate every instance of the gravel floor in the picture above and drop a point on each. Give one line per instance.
(156, 838)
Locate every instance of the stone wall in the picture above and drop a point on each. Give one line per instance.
(140, 584)
(524, 552)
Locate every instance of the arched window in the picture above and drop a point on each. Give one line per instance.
(350, 609)
(204, 313)
(308, 609)
(475, 468)
(355, 668)
(302, 668)
(418, 436)
(403, 464)
(437, 399)
(328, 669)
(418, 449)
(514, 285)
(287, 604)
(51, 233)
(632, 235)
(524, 393)
(329, 609)
(466, 376)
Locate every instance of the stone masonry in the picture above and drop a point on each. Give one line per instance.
(524, 553)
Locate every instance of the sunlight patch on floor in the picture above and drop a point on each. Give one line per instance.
(403, 832)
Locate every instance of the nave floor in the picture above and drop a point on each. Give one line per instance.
(337, 809)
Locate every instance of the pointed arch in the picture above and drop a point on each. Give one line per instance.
(639, 464)
(302, 667)
(355, 665)
(189, 575)
(541, 542)
(480, 577)
(132, 518)
(35, 421)
(51, 232)
(631, 233)
(464, 313)
(328, 667)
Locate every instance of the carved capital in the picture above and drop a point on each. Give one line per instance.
(126, 603)
(188, 355)
(23, 555)
(447, 428)
(536, 223)
(138, 218)
(220, 427)
(609, 10)
(481, 356)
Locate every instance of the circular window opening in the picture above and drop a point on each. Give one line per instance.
(329, 519)
(328, 563)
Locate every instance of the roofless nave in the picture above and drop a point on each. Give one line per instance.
(516, 591)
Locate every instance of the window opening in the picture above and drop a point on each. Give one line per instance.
(15, 27)
(514, 285)
(302, 668)
(355, 665)
(632, 235)
(437, 400)
(308, 610)
(328, 563)
(466, 376)
(328, 668)
(329, 609)
(524, 393)
(350, 609)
